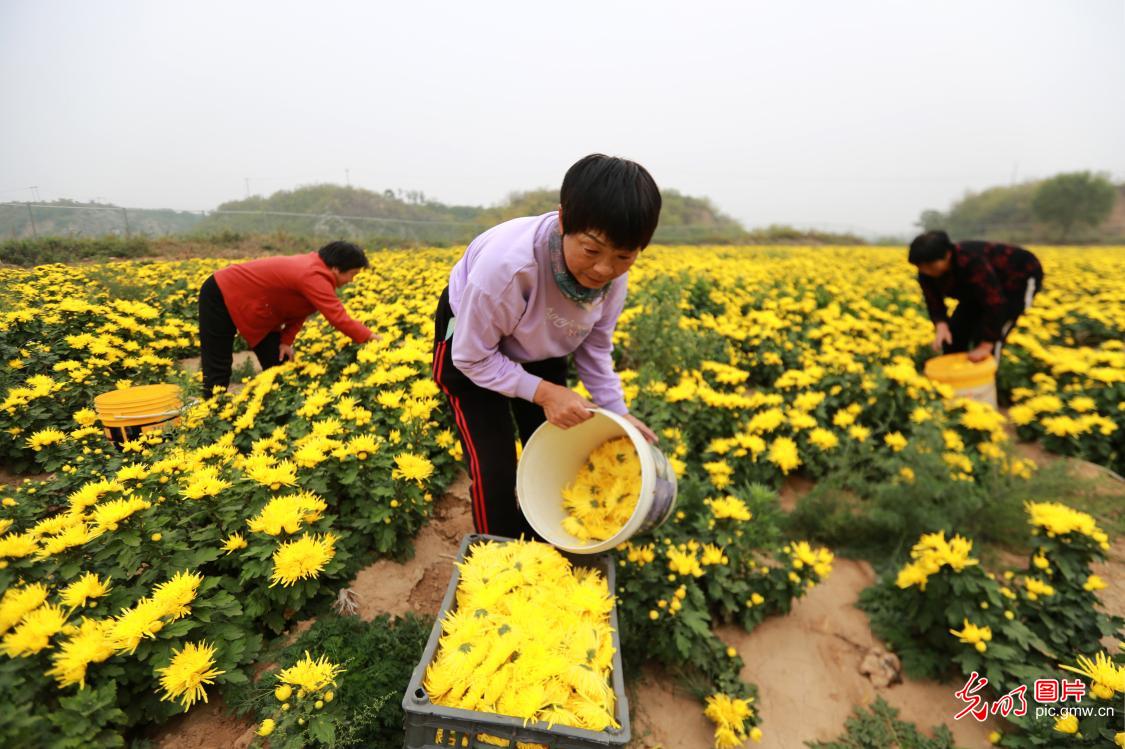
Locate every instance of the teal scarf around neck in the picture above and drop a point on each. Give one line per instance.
(566, 281)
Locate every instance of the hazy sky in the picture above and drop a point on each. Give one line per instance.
(841, 114)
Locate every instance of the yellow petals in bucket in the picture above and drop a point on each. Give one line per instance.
(559, 469)
(605, 492)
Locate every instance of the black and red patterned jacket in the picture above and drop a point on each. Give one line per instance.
(991, 277)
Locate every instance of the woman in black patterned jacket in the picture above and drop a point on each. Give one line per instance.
(992, 283)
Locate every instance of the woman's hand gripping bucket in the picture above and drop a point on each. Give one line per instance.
(551, 460)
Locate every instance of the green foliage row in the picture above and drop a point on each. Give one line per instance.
(378, 658)
(864, 507)
(44, 250)
(878, 727)
(1029, 634)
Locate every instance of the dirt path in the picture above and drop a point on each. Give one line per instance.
(387, 587)
(14, 479)
(807, 668)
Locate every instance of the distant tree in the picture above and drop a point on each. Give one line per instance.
(1075, 199)
(997, 213)
(931, 220)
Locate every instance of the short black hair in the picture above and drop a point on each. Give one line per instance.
(928, 247)
(613, 196)
(343, 256)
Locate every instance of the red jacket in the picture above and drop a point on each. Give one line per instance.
(278, 293)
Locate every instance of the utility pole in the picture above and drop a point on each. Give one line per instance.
(348, 177)
(31, 215)
(125, 214)
(35, 192)
(247, 187)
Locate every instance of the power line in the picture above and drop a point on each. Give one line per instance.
(82, 207)
(349, 218)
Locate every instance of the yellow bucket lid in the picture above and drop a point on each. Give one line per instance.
(957, 370)
(142, 395)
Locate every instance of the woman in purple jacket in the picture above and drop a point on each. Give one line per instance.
(525, 295)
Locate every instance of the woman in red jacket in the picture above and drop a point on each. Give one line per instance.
(267, 301)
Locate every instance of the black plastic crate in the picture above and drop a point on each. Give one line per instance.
(430, 726)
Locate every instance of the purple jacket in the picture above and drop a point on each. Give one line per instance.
(510, 310)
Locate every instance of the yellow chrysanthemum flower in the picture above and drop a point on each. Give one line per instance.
(1067, 724)
(190, 670)
(45, 437)
(823, 438)
(1036, 588)
(971, 634)
(412, 467)
(302, 558)
(311, 675)
(730, 716)
(684, 562)
(895, 441)
(19, 602)
(34, 632)
(1058, 519)
(783, 453)
(287, 513)
(272, 475)
(107, 515)
(175, 595)
(1094, 583)
(1107, 678)
(90, 644)
(234, 543)
(133, 624)
(204, 482)
(729, 507)
(85, 588)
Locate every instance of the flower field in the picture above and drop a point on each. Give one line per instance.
(135, 583)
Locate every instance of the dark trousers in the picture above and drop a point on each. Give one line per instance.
(488, 437)
(964, 323)
(216, 340)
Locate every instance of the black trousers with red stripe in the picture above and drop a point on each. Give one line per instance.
(488, 422)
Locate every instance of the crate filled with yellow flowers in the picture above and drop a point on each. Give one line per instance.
(524, 653)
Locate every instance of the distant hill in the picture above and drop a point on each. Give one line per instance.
(69, 218)
(412, 217)
(683, 218)
(376, 218)
(352, 212)
(409, 217)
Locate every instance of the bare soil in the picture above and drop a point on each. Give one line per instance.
(807, 668)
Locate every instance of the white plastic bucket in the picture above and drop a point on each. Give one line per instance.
(551, 460)
(981, 393)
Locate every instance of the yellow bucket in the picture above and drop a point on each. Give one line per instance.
(972, 380)
(130, 412)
